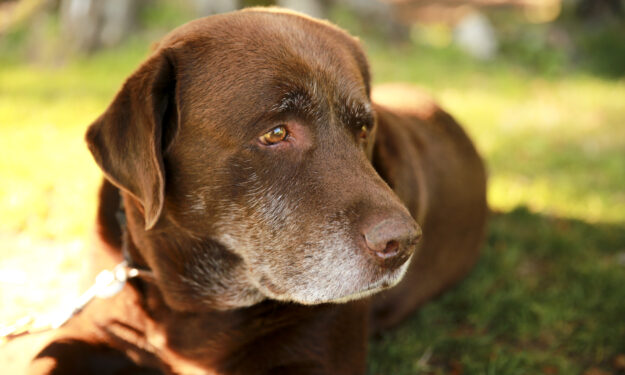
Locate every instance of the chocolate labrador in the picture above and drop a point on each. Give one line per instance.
(269, 206)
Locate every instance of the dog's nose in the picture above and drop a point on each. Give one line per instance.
(392, 240)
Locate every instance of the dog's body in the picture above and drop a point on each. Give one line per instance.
(270, 199)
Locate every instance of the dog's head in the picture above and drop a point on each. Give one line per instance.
(243, 145)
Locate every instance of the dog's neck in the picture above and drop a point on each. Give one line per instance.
(193, 274)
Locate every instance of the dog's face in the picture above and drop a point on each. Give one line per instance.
(245, 142)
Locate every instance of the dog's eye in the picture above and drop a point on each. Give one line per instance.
(275, 135)
(364, 132)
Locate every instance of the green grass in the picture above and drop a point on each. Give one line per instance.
(548, 295)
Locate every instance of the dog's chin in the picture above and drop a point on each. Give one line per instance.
(359, 291)
(387, 281)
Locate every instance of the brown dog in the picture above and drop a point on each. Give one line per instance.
(267, 198)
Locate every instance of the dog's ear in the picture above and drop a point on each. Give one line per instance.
(127, 141)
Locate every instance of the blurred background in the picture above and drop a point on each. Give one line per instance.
(538, 84)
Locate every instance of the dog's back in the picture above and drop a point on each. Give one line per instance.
(432, 165)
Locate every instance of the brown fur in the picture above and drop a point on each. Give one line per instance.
(264, 257)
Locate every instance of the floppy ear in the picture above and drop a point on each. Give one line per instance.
(127, 140)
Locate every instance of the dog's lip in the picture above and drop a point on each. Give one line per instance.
(370, 290)
(386, 281)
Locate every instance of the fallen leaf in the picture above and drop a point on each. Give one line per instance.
(456, 368)
(550, 370)
(596, 371)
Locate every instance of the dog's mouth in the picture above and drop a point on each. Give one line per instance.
(338, 259)
(340, 289)
(387, 281)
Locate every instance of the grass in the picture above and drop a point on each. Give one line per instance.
(547, 296)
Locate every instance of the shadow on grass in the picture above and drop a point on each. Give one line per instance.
(548, 296)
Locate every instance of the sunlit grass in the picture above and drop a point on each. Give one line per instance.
(556, 145)
(48, 177)
(559, 150)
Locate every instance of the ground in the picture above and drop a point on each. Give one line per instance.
(548, 294)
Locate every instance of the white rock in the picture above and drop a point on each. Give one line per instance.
(475, 35)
